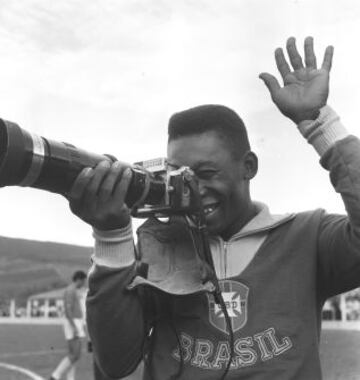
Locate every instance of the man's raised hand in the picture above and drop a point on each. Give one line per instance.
(306, 88)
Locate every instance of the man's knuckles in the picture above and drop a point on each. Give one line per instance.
(103, 166)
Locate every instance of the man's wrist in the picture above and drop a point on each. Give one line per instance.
(324, 131)
(309, 115)
(111, 225)
(114, 235)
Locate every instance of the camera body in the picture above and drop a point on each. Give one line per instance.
(177, 195)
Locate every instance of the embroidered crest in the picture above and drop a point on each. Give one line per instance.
(235, 295)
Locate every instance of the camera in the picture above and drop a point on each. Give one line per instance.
(30, 160)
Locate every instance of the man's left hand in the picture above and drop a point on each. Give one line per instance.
(306, 88)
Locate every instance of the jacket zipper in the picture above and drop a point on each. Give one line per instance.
(222, 260)
(225, 258)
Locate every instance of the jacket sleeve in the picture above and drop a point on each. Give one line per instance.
(115, 316)
(339, 235)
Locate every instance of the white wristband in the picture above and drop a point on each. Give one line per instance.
(114, 248)
(323, 132)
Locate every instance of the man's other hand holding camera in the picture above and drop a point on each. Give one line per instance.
(97, 196)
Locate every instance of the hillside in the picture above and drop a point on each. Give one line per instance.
(28, 266)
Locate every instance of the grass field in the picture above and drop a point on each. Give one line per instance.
(40, 348)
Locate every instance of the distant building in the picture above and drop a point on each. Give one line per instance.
(46, 305)
(344, 307)
(50, 304)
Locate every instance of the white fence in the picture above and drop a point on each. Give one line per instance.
(30, 321)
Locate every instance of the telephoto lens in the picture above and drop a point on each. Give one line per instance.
(30, 160)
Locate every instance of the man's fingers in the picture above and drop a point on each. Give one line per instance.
(294, 56)
(310, 58)
(121, 188)
(79, 186)
(107, 186)
(271, 83)
(328, 57)
(97, 199)
(99, 174)
(281, 63)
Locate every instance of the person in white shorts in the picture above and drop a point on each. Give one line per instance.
(74, 327)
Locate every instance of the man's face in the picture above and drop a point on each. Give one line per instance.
(222, 184)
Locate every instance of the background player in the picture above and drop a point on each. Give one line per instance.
(74, 326)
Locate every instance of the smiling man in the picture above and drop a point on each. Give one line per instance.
(213, 142)
(275, 271)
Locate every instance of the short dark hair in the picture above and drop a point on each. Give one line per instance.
(211, 117)
(79, 275)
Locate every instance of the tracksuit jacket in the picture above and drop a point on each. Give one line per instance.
(275, 275)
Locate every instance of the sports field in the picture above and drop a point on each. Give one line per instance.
(39, 349)
(30, 352)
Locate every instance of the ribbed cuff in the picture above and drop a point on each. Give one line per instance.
(114, 248)
(323, 132)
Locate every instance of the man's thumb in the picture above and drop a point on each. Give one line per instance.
(271, 82)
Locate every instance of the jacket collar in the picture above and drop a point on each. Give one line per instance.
(262, 221)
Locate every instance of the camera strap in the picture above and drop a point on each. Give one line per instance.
(141, 199)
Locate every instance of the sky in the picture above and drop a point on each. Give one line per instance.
(107, 75)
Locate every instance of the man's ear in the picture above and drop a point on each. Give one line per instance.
(250, 162)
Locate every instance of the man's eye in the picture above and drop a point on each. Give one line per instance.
(206, 173)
